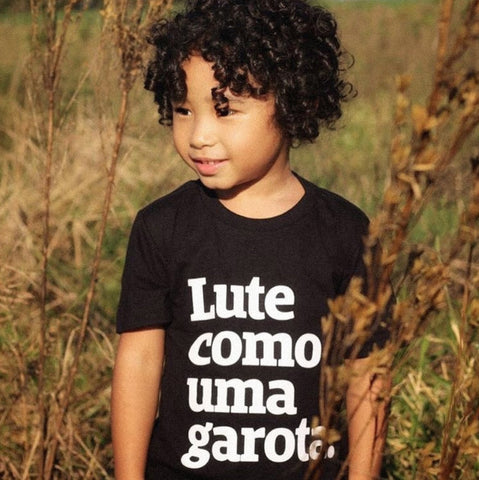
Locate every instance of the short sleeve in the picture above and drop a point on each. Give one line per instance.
(144, 287)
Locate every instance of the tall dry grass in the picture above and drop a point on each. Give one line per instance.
(81, 152)
(59, 393)
(432, 282)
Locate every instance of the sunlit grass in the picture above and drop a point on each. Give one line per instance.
(386, 39)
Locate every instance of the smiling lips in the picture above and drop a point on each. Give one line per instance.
(206, 166)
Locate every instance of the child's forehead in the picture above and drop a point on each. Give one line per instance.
(199, 71)
(202, 86)
(195, 64)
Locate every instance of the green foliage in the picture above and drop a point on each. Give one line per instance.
(354, 161)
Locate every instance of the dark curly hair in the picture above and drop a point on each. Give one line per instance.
(288, 47)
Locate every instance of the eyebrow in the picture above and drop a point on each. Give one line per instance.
(227, 95)
(235, 99)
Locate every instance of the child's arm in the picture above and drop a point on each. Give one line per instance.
(366, 410)
(135, 390)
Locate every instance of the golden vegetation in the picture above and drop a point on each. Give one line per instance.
(425, 143)
(81, 152)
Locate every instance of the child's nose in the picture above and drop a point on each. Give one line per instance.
(202, 133)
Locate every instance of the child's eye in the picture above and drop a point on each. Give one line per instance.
(181, 111)
(225, 112)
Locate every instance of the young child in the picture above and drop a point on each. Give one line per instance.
(226, 278)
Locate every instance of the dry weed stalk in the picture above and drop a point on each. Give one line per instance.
(53, 51)
(124, 22)
(425, 144)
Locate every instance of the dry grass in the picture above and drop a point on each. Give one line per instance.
(81, 152)
(426, 140)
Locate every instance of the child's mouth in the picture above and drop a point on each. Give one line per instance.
(206, 166)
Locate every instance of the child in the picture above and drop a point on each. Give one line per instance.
(226, 279)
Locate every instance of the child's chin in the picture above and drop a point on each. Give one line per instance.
(215, 183)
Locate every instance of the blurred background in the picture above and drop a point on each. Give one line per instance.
(81, 151)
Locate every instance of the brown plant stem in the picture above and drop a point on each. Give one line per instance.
(51, 75)
(443, 38)
(449, 449)
(66, 393)
(466, 35)
(44, 281)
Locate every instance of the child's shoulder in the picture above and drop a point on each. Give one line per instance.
(160, 218)
(340, 225)
(173, 201)
(335, 209)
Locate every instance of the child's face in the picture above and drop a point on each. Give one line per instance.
(229, 153)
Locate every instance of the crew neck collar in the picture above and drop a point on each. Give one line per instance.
(212, 203)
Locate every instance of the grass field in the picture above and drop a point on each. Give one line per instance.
(59, 275)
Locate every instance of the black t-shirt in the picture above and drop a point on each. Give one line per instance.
(241, 300)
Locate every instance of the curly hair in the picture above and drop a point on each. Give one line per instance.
(288, 48)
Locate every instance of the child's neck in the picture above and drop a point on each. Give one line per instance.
(252, 201)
